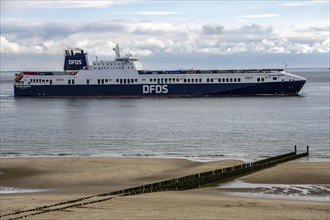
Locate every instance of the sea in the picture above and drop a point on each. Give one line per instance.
(199, 129)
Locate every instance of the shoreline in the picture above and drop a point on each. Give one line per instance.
(72, 178)
(202, 159)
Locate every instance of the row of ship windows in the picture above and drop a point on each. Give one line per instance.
(41, 81)
(262, 79)
(121, 81)
(128, 81)
(118, 64)
(159, 81)
(165, 80)
(170, 80)
(118, 68)
(225, 80)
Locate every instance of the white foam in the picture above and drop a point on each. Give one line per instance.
(317, 192)
(13, 190)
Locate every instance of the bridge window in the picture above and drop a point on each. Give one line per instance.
(51, 82)
(274, 78)
(227, 80)
(258, 80)
(87, 81)
(262, 79)
(239, 79)
(231, 79)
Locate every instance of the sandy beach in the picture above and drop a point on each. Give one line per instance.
(70, 178)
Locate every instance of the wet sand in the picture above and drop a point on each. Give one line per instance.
(293, 173)
(71, 178)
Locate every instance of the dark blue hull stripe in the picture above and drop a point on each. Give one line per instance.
(137, 90)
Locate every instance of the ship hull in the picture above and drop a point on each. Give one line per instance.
(163, 90)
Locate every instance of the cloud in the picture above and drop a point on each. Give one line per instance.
(156, 12)
(17, 48)
(296, 4)
(62, 4)
(9, 47)
(146, 38)
(260, 16)
(210, 29)
(305, 3)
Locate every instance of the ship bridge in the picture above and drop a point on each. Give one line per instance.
(120, 63)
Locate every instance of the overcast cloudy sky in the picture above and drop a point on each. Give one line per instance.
(167, 34)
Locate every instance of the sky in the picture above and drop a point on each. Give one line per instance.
(167, 34)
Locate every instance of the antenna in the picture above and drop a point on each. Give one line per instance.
(117, 51)
(285, 66)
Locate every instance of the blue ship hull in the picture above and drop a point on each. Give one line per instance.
(165, 90)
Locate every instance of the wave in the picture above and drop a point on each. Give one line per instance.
(315, 192)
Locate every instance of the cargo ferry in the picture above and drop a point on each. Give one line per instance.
(126, 77)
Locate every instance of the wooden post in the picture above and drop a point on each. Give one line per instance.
(295, 149)
(307, 150)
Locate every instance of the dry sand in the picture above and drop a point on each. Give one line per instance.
(71, 178)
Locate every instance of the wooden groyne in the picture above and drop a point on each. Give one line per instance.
(210, 177)
(182, 183)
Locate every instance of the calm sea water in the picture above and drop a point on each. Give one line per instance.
(196, 128)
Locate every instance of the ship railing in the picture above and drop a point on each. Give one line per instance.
(151, 72)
